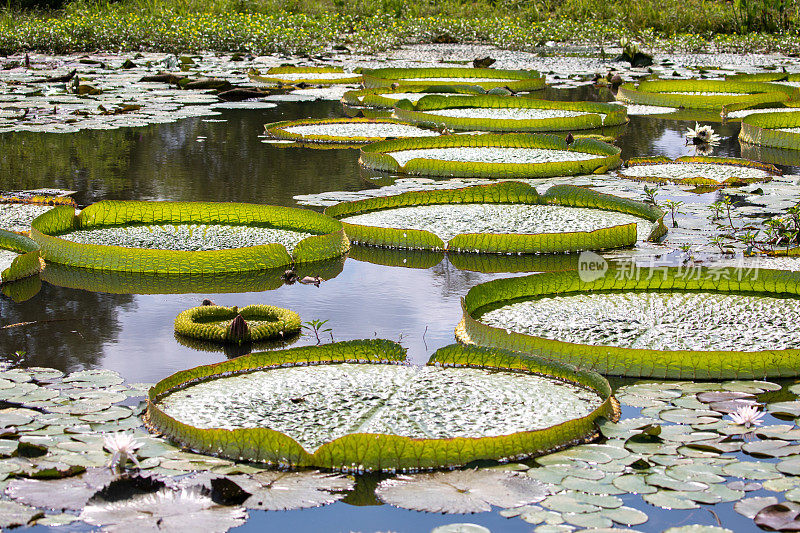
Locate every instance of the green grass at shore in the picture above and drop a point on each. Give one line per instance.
(292, 26)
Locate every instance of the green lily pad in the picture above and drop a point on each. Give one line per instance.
(789, 466)
(567, 502)
(588, 520)
(750, 507)
(667, 482)
(782, 484)
(665, 500)
(461, 491)
(461, 528)
(69, 493)
(696, 528)
(748, 470)
(165, 509)
(626, 516)
(634, 484)
(789, 409)
(778, 431)
(282, 491)
(14, 514)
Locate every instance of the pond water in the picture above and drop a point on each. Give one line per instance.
(223, 158)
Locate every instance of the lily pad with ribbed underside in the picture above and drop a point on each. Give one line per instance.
(19, 257)
(307, 75)
(504, 218)
(387, 97)
(785, 78)
(705, 94)
(669, 327)
(488, 263)
(117, 282)
(508, 114)
(699, 171)
(345, 130)
(774, 130)
(352, 406)
(491, 156)
(488, 78)
(213, 323)
(191, 221)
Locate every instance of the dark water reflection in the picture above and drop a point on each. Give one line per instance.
(74, 328)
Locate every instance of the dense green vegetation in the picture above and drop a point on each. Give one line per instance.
(298, 26)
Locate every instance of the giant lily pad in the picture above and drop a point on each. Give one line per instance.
(705, 94)
(774, 130)
(491, 156)
(214, 323)
(307, 76)
(699, 171)
(516, 80)
(508, 114)
(349, 414)
(505, 218)
(387, 97)
(19, 256)
(118, 282)
(143, 226)
(348, 131)
(662, 341)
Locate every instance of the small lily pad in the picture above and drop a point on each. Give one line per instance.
(13, 514)
(665, 500)
(627, 516)
(749, 470)
(461, 491)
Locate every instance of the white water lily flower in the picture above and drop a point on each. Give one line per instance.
(123, 447)
(747, 416)
(702, 135)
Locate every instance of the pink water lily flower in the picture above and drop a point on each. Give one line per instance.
(123, 447)
(747, 416)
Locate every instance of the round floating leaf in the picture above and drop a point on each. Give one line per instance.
(779, 517)
(507, 114)
(496, 204)
(696, 528)
(634, 484)
(748, 470)
(516, 80)
(213, 323)
(283, 491)
(618, 360)
(348, 131)
(306, 76)
(750, 507)
(185, 510)
(327, 238)
(24, 254)
(14, 514)
(626, 516)
(460, 528)
(667, 500)
(699, 171)
(775, 130)
(69, 493)
(387, 97)
(704, 94)
(331, 399)
(492, 156)
(464, 491)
